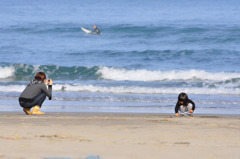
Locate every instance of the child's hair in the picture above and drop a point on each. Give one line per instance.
(182, 97)
(40, 76)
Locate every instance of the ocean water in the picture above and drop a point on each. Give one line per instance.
(148, 52)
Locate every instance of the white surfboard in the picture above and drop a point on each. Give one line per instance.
(86, 30)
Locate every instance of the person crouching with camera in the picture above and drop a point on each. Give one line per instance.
(35, 94)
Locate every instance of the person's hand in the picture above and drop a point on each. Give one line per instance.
(46, 82)
(191, 111)
(50, 82)
(176, 114)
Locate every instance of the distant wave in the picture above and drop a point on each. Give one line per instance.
(44, 28)
(18, 72)
(207, 32)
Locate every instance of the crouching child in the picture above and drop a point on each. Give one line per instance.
(184, 105)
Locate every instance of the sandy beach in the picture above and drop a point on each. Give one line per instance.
(118, 136)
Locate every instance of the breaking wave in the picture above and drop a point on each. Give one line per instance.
(18, 72)
(118, 74)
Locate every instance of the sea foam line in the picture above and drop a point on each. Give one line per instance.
(128, 89)
(144, 90)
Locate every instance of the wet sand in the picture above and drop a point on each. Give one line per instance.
(118, 136)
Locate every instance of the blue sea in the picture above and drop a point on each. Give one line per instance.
(148, 52)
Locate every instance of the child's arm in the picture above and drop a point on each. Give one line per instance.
(176, 109)
(193, 104)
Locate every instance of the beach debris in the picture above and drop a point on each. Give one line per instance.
(16, 137)
(92, 157)
(182, 143)
(57, 158)
(56, 136)
(49, 136)
(88, 157)
(159, 121)
(207, 116)
(1, 156)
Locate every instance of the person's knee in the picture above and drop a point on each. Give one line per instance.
(41, 99)
(181, 108)
(189, 106)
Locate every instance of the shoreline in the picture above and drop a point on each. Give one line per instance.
(199, 115)
(118, 136)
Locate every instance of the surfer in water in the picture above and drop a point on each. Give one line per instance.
(96, 30)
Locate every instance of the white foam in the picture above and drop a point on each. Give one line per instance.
(36, 68)
(144, 90)
(6, 72)
(119, 74)
(129, 89)
(12, 88)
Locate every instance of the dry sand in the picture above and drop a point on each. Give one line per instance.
(118, 136)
